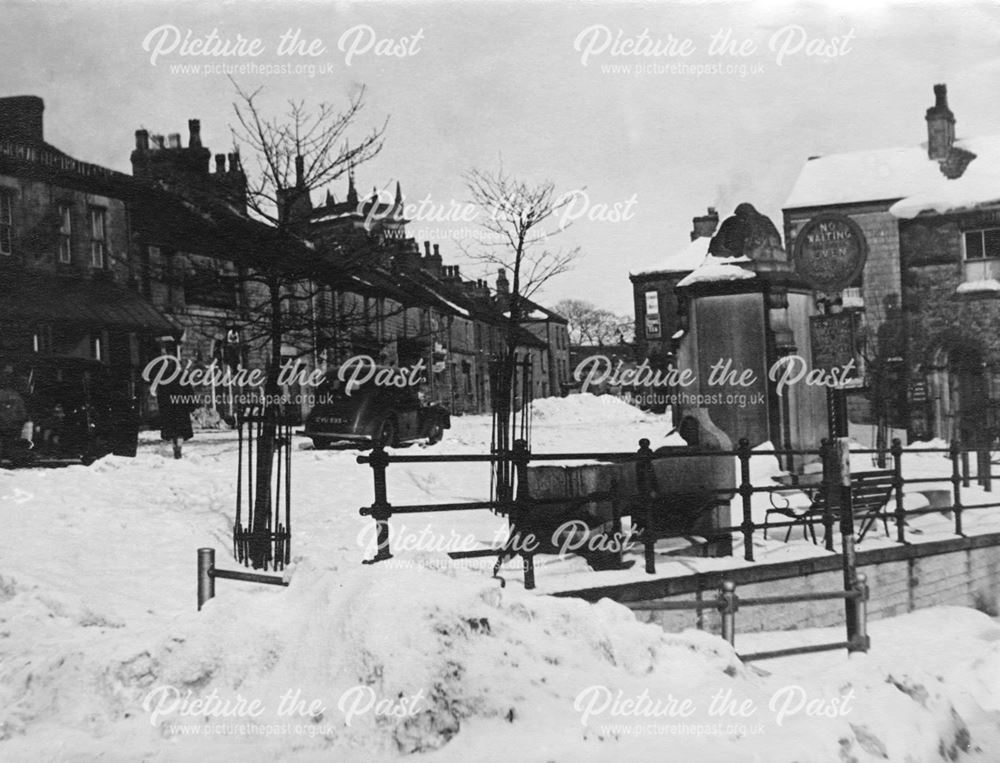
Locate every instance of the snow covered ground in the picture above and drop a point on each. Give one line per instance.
(104, 656)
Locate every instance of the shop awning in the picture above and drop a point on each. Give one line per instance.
(94, 303)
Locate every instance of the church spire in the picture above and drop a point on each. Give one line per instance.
(352, 194)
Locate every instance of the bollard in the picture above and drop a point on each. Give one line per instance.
(644, 472)
(728, 604)
(897, 481)
(381, 510)
(858, 641)
(956, 485)
(746, 491)
(206, 579)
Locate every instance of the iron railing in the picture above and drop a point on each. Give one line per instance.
(647, 492)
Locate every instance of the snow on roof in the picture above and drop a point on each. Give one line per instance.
(683, 261)
(718, 269)
(906, 174)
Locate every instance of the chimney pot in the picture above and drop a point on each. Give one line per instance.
(142, 140)
(194, 133)
(427, 248)
(174, 140)
(436, 252)
(940, 125)
(220, 164)
(157, 141)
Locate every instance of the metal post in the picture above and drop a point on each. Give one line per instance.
(859, 641)
(987, 472)
(965, 468)
(746, 492)
(521, 457)
(728, 604)
(983, 470)
(842, 461)
(831, 495)
(956, 486)
(206, 579)
(381, 510)
(897, 481)
(644, 471)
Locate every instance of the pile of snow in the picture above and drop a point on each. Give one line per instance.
(586, 409)
(103, 654)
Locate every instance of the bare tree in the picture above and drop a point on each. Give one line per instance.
(294, 153)
(520, 217)
(593, 325)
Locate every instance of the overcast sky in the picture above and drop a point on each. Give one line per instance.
(540, 85)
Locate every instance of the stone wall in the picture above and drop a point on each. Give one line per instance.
(958, 572)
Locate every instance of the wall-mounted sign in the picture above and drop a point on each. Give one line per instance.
(833, 340)
(830, 252)
(652, 303)
(652, 325)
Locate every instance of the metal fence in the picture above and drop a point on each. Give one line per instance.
(728, 604)
(647, 494)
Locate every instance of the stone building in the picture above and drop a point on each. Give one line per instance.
(929, 292)
(67, 278)
(656, 314)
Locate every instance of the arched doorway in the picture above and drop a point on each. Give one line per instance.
(959, 391)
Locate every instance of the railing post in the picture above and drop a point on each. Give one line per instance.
(746, 493)
(521, 457)
(831, 491)
(983, 470)
(956, 486)
(897, 481)
(858, 641)
(965, 468)
(381, 510)
(644, 474)
(728, 604)
(206, 580)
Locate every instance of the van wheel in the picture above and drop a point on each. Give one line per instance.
(387, 436)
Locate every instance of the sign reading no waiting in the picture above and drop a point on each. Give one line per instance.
(830, 252)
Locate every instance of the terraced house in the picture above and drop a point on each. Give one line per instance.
(123, 268)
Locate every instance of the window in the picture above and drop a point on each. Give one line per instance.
(97, 240)
(65, 233)
(6, 223)
(982, 254)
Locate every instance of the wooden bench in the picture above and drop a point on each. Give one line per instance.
(870, 492)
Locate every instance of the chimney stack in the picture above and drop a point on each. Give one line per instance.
(503, 287)
(194, 133)
(704, 226)
(220, 164)
(940, 125)
(142, 140)
(300, 172)
(174, 140)
(436, 252)
(427, 248)
(21, 117)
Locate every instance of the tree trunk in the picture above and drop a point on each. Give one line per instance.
(260, 543)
